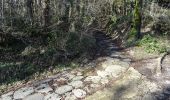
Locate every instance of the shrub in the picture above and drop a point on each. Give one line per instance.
(79, 44)
(152, 44)
(70, 42)
(57, 40)
(162, 27)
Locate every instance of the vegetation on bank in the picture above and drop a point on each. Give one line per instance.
(153, 44)
(40, 38)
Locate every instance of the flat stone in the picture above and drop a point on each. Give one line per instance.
(79, 93)
(79, 73)
(6, 98)
(45, 81)
(148, 97)
(77, 78)
(92, 64)
(104, 81)
(115, 70)
(43, 88)
(61, 81)
(52, 96)
(54, 76)
(166, 92)
(104, 94)
(114, 55)
(88, 89)
(64, 89)
(108, 62)
(76, 84)
(94, 79)
(23, 92)
(94, 85)
(125, 88)
(103, 73)
(152, 86)
(69, 76)
(7, 94)
(160, 97)
(127, 60)
(55, 85)
(37, 96)
(166, 82)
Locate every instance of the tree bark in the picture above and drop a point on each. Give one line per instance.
(138, 18)
(2, 13)
(30, 10)
(47, 13)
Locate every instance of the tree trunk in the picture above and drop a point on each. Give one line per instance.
(2, 13)
(47, 13)
(138, 18)
(30, 10)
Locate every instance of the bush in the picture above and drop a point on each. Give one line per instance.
(79, 44)
(87, 43)
(152, 44)
(73, 42)
(57, 40)
(70, 42)
(162, 27)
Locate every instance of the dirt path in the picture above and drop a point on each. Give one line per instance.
(109, 77)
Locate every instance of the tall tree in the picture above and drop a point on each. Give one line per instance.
(138, 18)
(47, 13)
(2, 11)
(30, 10)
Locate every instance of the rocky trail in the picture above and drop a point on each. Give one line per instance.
(110, 76)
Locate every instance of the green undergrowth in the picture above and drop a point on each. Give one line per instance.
(11, 72)
(14, 74)
(59, 52)
(71, 42)
(153, 44)
(150, 43)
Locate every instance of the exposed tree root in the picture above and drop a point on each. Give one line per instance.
(160, 62)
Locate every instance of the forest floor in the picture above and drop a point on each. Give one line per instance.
(114, 74)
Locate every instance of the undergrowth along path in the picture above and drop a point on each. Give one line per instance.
(111, 77)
